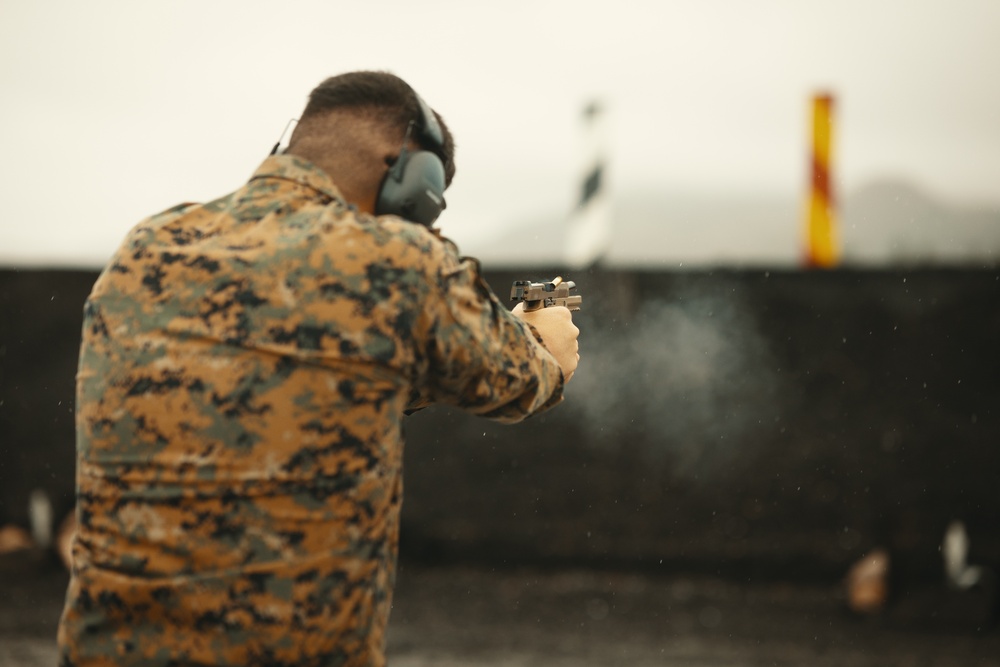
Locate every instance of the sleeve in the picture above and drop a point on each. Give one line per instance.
(481, 357)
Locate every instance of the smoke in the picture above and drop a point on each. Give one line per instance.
(689, 377)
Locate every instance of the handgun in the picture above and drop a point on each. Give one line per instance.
(555, 292)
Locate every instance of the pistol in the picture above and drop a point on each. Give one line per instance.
(555, 292)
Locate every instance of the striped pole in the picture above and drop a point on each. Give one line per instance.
(589, 229)
(822, 243)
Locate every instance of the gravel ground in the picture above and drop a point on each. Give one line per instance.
(520, 618)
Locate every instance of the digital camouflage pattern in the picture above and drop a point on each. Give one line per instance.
(244, 372)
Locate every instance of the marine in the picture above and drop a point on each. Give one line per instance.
(245, 369)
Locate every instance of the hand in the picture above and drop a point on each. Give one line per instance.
(559, 334)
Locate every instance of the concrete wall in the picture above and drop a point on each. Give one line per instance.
(777, 423)
(40, 317)
(746, 422)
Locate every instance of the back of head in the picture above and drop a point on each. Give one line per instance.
(378, 101)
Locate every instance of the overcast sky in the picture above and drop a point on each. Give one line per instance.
(112, 110)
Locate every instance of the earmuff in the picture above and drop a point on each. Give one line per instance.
(413, 188)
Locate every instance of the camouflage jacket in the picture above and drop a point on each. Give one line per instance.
(244, 371)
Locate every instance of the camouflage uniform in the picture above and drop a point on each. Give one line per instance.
(244, 372)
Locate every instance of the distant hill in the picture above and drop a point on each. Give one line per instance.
(897, 223)
(886, 223)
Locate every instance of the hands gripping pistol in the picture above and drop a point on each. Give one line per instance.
(555, 292)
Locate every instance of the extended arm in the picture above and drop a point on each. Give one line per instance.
(482, 357)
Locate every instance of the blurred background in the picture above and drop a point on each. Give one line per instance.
(788, 392)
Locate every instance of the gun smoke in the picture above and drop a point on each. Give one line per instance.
(692, 373)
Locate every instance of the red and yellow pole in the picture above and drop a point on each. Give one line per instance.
(822, 242)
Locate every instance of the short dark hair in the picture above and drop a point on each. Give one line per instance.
(384, 95)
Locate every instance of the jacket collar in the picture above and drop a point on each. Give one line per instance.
(298, 170)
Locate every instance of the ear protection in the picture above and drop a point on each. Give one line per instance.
(413, 188)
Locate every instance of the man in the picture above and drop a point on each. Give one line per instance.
(244, 371)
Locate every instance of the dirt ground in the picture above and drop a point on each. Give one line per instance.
(454, 616)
